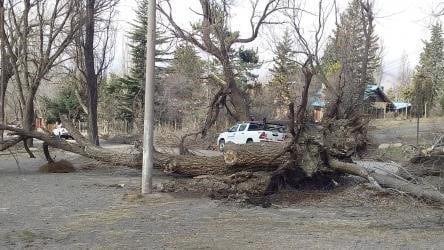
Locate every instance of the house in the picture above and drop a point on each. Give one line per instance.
(379, 102)
(402, 108)
(317, 103)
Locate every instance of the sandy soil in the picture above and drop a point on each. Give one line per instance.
(98, 208)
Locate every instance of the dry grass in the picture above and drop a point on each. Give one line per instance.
(396, 122)
(397, 154)
(62, 166)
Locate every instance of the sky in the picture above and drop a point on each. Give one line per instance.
(402, 25)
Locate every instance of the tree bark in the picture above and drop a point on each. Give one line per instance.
(29, 115)
(91, 77)
(409, 188)
(241, 107)
(222, 186)
(3, 81)
(437, 151)
(254, 154)
(6, 68)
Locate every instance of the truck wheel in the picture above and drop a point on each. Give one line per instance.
(249, 140)
(221, 145)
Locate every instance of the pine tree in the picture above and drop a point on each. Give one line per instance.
(330, 62)
(345, 59)
(350, 39)
(284, 73)
(184, 92)
(429, 76)
(133, 84)
(138, 43)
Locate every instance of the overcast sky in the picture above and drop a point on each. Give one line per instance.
(402, 25)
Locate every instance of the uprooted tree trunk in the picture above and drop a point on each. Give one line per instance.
(257, 169)
(252, 169)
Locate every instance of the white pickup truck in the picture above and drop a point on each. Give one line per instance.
(250, 132)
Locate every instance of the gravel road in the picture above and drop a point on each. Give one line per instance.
(89, 209)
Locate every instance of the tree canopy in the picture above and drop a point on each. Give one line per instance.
(429, 75)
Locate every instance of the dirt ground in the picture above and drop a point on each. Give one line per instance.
(99, 208)
(404, 131)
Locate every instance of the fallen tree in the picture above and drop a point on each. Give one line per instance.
(257, 169)
(252, 169)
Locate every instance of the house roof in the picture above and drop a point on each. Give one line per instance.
(401, 105)
(373, 90)
(370, 92)
(318, 103)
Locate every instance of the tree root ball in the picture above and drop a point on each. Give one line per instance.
(62, 166)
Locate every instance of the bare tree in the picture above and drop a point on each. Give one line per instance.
(92, 56)
(308, 46)
(91, 77)
(37, 34)
(439, 10)
(403, 86)
(214, 36)
(4, 78)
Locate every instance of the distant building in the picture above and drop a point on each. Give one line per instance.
(379, 104)
(402, 108)
(318, 105)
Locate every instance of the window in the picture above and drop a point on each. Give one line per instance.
(276, 128)
(255, 127)
(242, 127)
(233, 129)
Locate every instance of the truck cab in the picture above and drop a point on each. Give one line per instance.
(250, 132)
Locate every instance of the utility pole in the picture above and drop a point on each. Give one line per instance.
(418, 110)
(148, 122)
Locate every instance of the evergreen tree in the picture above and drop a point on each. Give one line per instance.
(131, 87)
(245, 61)
(346, 60)
(118, 96)
(184, 93)
(429, 76)
(138, 44)
(330, 64)
(350, 39)
(284, 73)
(65, 102)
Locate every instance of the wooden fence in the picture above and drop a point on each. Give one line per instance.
(115, 127)
(108, 127)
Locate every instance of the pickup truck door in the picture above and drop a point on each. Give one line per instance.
(231, 134)
(241, 134)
